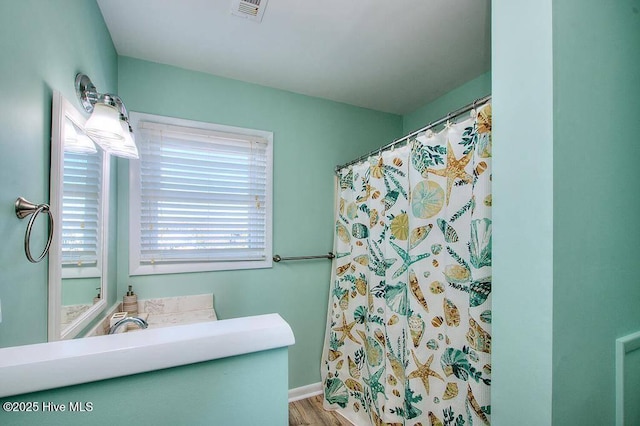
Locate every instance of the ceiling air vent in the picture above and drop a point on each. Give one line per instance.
(249, 9)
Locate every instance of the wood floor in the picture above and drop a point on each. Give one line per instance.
(309, 412)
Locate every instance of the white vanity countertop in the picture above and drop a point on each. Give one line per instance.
(41, 366)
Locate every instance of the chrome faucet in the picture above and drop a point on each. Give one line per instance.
(138, 321)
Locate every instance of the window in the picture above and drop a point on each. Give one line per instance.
(81, 215)
(199, 198)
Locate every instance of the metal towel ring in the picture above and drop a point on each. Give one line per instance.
(25, 208)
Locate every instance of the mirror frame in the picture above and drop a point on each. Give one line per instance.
(63, 110)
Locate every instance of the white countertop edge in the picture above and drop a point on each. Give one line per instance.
(41, 366)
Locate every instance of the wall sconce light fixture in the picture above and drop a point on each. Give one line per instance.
(108, 126)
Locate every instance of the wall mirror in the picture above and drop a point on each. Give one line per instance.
(79, 197)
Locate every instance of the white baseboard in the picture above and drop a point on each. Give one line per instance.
(313, 389)
(305, 391)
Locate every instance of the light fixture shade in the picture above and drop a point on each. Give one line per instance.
(127, 147)
(76, 141)
(104, 125)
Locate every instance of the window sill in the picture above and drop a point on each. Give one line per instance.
(180, 268)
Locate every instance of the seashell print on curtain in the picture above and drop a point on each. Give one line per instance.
(408, 338)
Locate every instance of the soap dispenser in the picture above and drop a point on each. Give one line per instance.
(130, 303)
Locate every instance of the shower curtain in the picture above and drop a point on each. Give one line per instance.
(408, 337)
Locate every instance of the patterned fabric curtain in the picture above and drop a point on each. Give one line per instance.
(408, 328)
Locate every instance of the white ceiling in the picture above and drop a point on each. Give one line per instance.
(392, 56)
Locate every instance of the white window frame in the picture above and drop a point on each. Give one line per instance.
(136, 267)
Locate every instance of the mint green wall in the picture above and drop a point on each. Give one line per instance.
(451, 101)
(43, 46)
(523, 188)
(311, 136)
(241, 390)
(77, 291)
(596, 203)
(565, 242)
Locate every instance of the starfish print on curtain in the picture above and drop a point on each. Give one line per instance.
(424, 371)
(454, 170)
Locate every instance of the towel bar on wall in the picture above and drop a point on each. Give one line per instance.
(278, 258)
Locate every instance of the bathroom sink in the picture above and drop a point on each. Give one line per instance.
(171, 319)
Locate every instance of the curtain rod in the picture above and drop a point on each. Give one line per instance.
(403, 139)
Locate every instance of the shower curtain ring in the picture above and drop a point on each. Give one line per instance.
(448, 123)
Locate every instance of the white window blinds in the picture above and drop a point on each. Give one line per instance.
(203, 196)
(81, 210)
